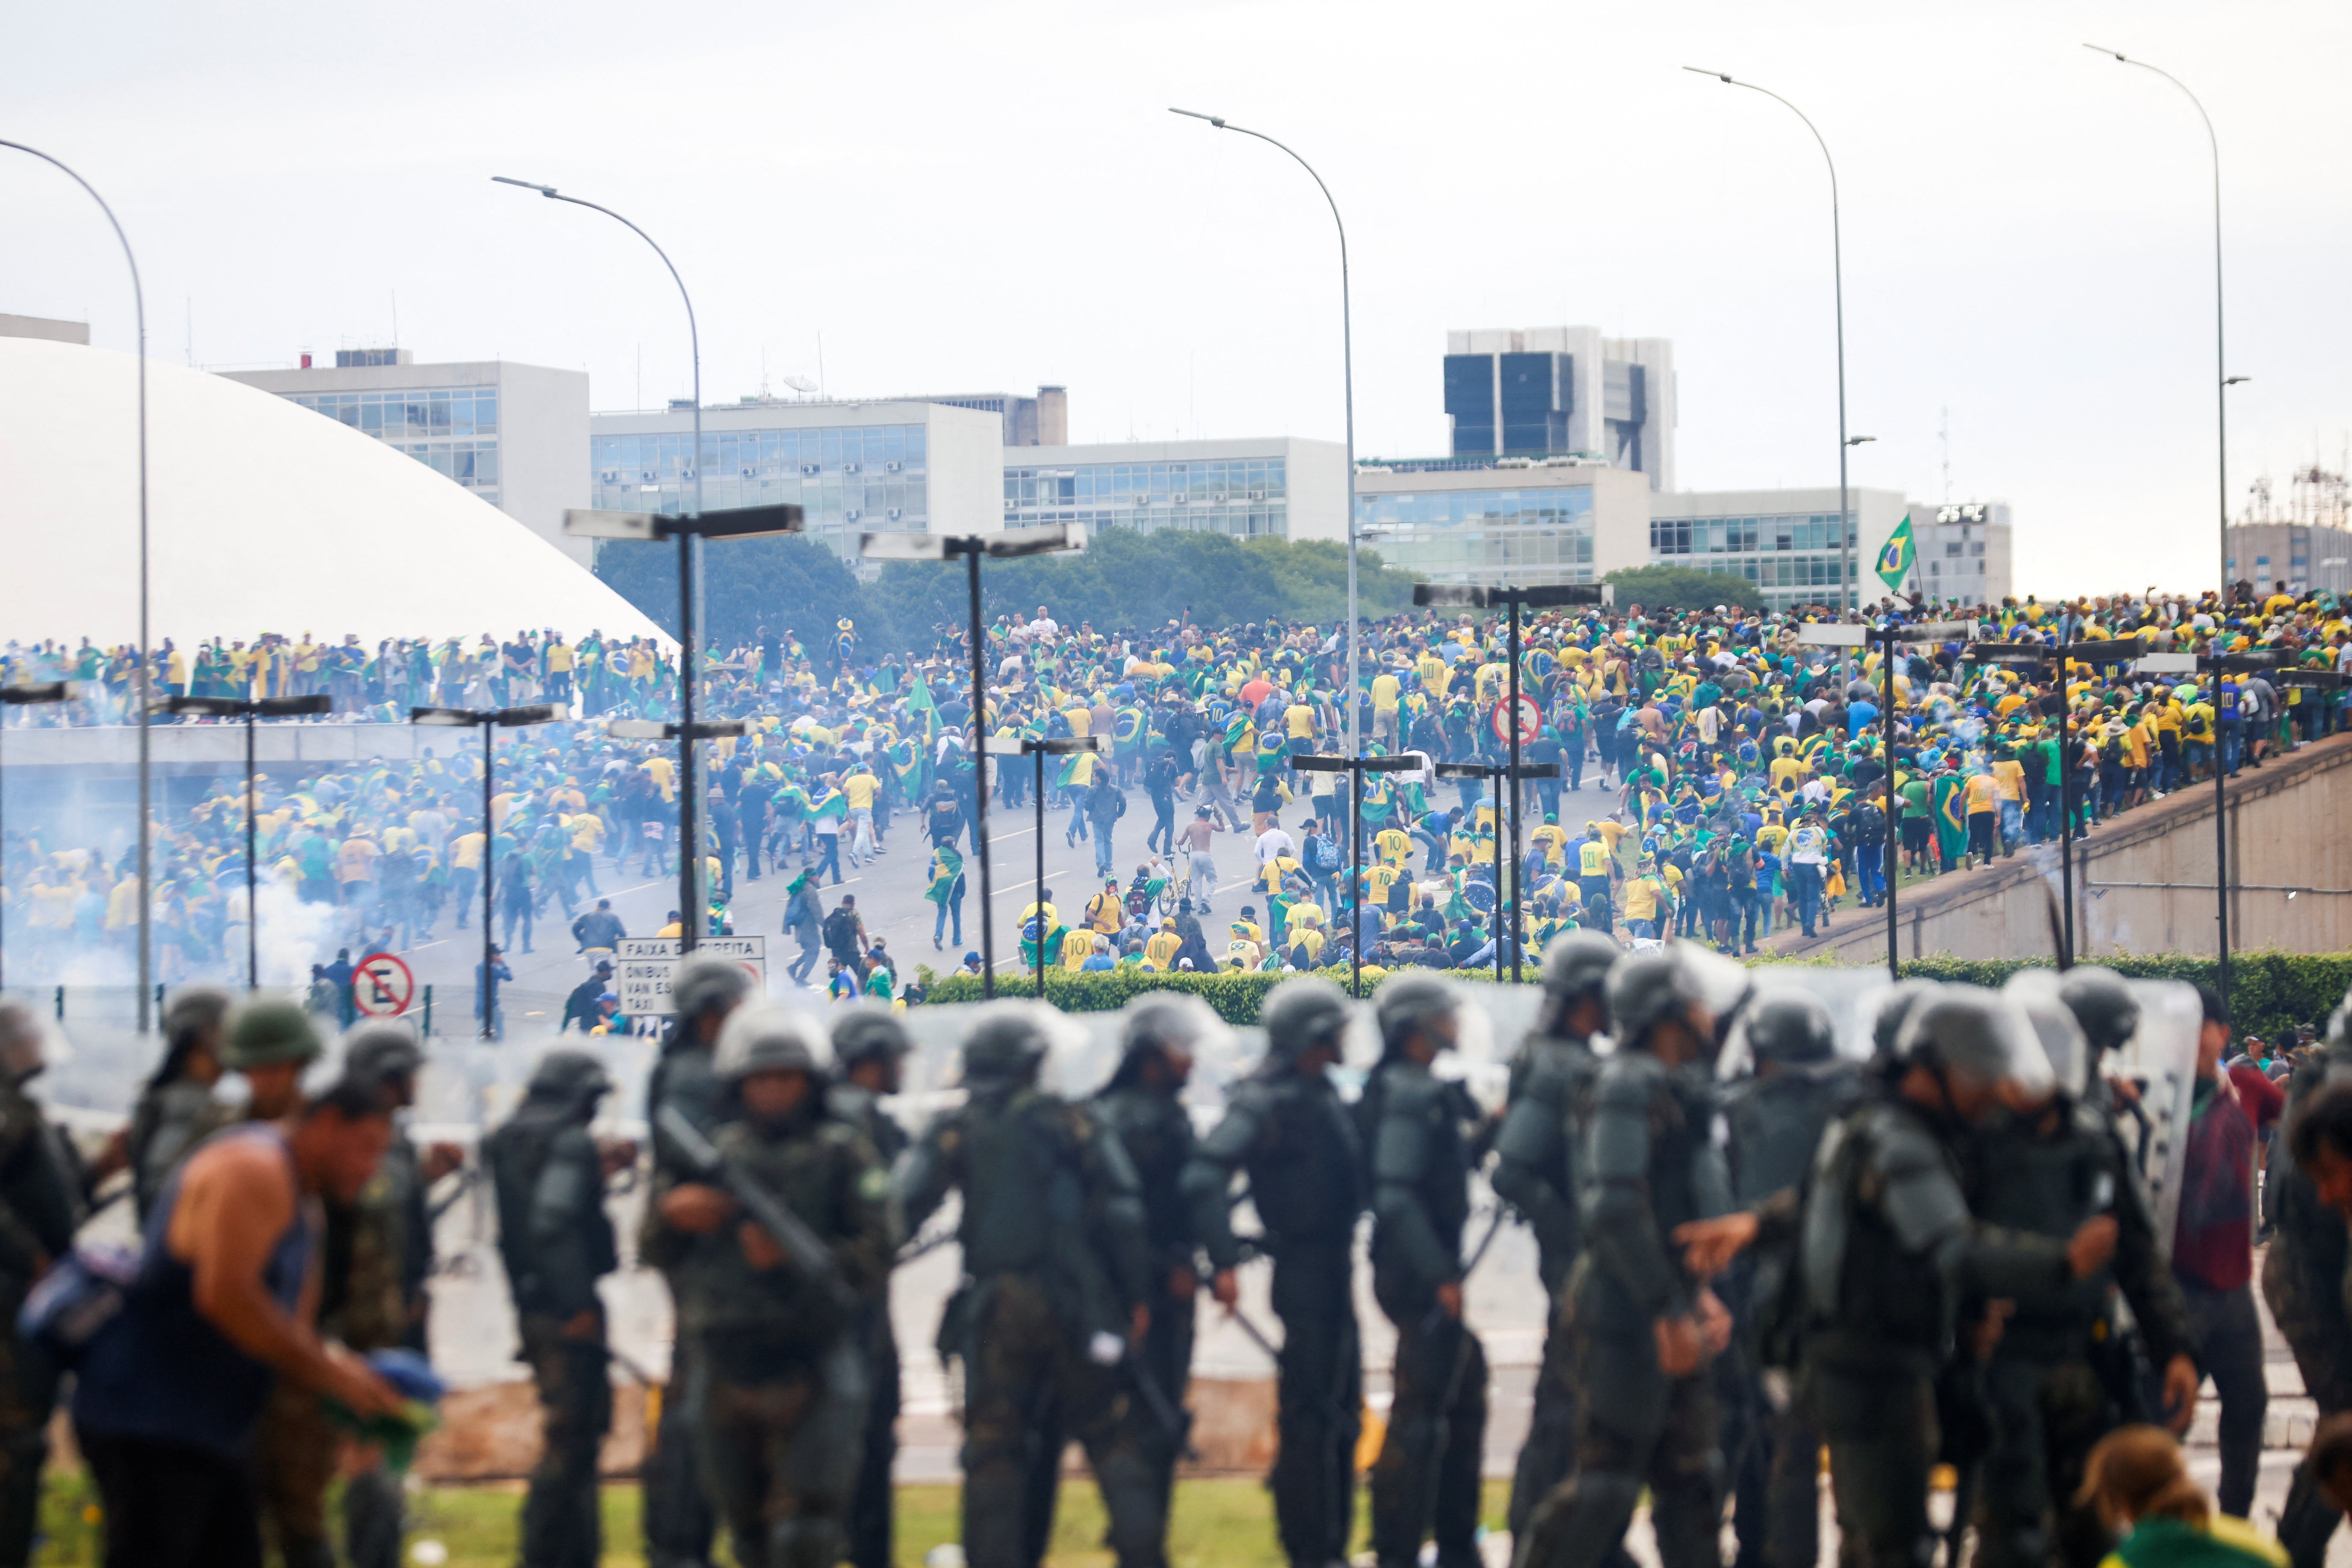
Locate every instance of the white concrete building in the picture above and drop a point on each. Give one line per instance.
(514, 435)
(1278, 487)
(1964, 551)
(1515, 521)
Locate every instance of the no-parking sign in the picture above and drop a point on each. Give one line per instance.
(381, 986)
(645, 965)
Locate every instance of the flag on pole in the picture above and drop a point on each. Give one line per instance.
(1895, 560)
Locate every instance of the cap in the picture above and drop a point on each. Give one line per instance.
(267, 1031)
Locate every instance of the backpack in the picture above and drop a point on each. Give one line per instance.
(841, 930)
(1326, 853)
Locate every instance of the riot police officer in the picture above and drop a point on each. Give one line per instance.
(679, 1523)
(1771, 1456)
(1143, 1107)
(1887, 1247)
(869, 1048)
(1643, 1324)
(1425, 1479)
(1285, 1128)
(2303, 1281)
(1534, 1173)
(1058, 1271)
(2049, 1161)
(782, 1355)
(556, 1242)
(43, 1199)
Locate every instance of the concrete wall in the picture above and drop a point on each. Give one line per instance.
(2144, 882)
(543, 451)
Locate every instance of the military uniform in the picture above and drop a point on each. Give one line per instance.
(870, 1509)
(1289, 1133)
(1151, 1126)
(680, 1524)
(169, 1119)
(784, 1396)
(556, 1241)
(1771, 1455)
(2304, 1280)
(1535, 1173)
(379, 1254)
(1888, 1247)
(2049, 1401)
(1649, 1163)
(1052, 1231)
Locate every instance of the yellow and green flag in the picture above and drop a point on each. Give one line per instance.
(1894, 561)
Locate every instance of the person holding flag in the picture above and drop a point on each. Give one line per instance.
(945, 891)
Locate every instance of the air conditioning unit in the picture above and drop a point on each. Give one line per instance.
(750, 473)
(893, 468)
(611, 476)
(894, 514)
(852, 515)
(1515, 462)
(686, 474)
(1140, 500)
(649, 477)
(1216, 498)
(1258, 495)
(808, 468)
(848, 468)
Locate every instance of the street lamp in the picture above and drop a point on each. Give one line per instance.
(146, 671)
(485, 720)
(21, 695)
(1837, 272)
(972, 547)
(1514, 729)
(1356, 768)
(687, 672)
(646, 526)
(1506, 896)
(1348, 376)
(692, 894)
(2223, 381)
(1039, 750)
(248, 711)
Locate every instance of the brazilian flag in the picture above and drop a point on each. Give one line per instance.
(1896, 559)
(946, 867)
(1948, 811)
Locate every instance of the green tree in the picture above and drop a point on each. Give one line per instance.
(783, 583)
(1682, 588)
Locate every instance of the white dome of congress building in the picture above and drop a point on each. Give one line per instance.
(262, 517)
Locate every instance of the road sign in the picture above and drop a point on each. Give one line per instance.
(1531, 721)
(381, 986)
(645, 965)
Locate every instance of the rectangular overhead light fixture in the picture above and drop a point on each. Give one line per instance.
(1829, 635)
(735, 523)
(637, 730)
(454, 717)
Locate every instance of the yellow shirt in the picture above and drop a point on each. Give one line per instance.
(1160, 950)
(1984, 793)
(1642, 896)
(466, 851)
(1300, 719)
(859, 790)
(1553, 838)
(665, 777)
(2008, 777)
(1105, 912)
(1393, 846)
(1379, 879)
(1385, 688)
(1076, 948)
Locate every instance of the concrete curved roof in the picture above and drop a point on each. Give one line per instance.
(262, 515)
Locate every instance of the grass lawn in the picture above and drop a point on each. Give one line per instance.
(1219, 1524)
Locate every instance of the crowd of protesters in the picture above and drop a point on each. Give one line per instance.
(1718, 777)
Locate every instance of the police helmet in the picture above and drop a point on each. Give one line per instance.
(1645, 989)
(767, 1037)
(706, 984)
(1976, 1033)
(2042, 994)
(1791, 1027)
(1896, 1004)
(865, 1031)
(2101, 1004)
(1408, 1003)
(1165, 1019)
(193, 1008)
(1006, 1043)
(1301, 1014)
(569, 1074)
(1579, 962)
(381, 1052)
(266, 1031)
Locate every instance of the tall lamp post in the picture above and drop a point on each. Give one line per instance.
(643, 527)
(972, 547)
(249, 710)
(23, 696)
(146, 667)
(1507, 894)
(1514, 728)
(1847, 586)
(688, 671)
(1347, 377)
(1037, 751)
(2223, 382)
(1356, 768)
(488, 719)
(692, 894)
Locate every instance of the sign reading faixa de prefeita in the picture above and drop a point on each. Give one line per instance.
(645, 965)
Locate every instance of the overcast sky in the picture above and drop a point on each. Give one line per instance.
(988, 196)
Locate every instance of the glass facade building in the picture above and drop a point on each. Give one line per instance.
(453, 431)
(849, 480)
(1523, 537)
(1245, 498)
(1792, 558)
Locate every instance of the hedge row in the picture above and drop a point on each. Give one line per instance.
(2271, 992)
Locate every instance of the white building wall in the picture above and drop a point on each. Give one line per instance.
(543, 451)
